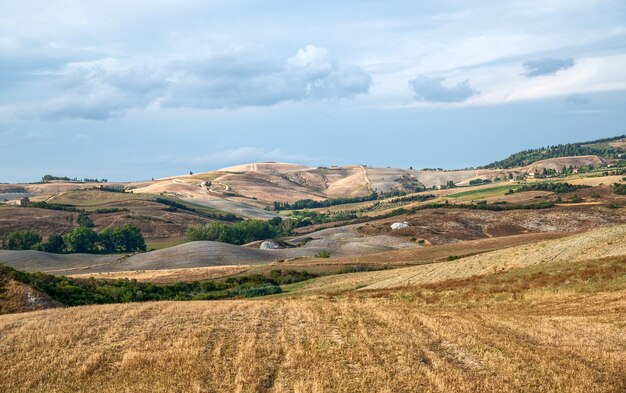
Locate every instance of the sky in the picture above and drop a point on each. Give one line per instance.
(133, 90)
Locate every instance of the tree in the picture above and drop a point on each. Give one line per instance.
(125, 239)
(54, 244)
(82, 239)
(239, 233)
(84, 221)
(21, 240)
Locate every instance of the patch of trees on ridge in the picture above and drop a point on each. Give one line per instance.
(527, 157)
(49, 178)
(311, 204)
(557, 188)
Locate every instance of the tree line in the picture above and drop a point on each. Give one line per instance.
(311, 204)
(74, 292)
(82, 239)
(557, 188)
(527, 157)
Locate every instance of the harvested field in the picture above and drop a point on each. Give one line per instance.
(559, 343)
(237, 208)
(440, 226)
(43, 221)
(171, 275)
(39, 261)
(599, 243)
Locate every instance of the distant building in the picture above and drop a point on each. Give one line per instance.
(23, 201)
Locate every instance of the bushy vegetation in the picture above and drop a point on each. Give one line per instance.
(598, 147)
(83, 220)
(323, 254)
(54, 206)
(619, 189)
(247, 231)
(21, 240)
(82, 239)
(55, 244)
(477, 182)
(557, 188)
(303, 218)
(413, 198)
(111, 188)
(74, 292)
(311, 204)
(47, 178)
(238, 233)
(121, 239)
(107, 210)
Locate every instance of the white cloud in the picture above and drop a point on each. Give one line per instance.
(240, 155)
(110, 87)
(249, 154)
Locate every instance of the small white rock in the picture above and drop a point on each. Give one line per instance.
(399, 225)
(269, 245)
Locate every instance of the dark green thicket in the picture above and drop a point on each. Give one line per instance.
(311, 204)
(598, 147)
(558, 188)
(73, 292)
(54, 206)
(619, 189)
(82, 239)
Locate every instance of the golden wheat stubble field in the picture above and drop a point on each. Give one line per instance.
(383, 342)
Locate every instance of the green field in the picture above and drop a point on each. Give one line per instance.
(484, 192)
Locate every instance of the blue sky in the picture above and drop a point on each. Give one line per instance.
(135, 90)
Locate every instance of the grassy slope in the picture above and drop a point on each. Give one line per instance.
(561, 331)
(595, 244)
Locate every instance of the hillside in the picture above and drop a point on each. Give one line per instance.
(598, 243)
(605, 148)
(250, 190)
(17, 297)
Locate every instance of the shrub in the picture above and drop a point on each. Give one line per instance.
(107, 210)
(360, 269)
(619, 189)
(238, 233)
(83, 220)
(82, 240)
(282, 277)
(21, 240)
(323, 254)
(54, 244)
(557, 188)
(54, 206)
(125, 239)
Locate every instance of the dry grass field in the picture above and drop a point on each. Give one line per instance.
(171, 275)
(561, 330)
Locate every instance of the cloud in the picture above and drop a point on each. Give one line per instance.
(433, 90)
(577, 99)
(249, 154)
(240, 155)
(110, 87)
(546, 66)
